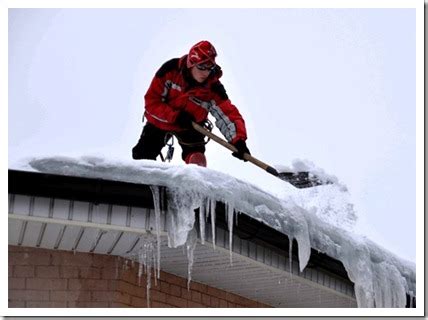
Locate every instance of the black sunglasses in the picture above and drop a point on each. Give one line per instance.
(205, 66)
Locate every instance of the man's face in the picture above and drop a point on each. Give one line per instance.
(202, 71)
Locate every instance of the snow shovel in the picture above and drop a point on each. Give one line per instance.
(300, 180)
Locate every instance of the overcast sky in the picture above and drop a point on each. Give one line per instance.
(333, 86)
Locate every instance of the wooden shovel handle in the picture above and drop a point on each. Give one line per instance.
(232, 148)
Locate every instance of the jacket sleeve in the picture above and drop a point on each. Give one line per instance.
(228, 118)
(155, 101)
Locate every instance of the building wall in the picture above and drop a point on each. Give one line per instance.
(58, 279)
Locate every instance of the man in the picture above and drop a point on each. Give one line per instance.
(183, 90)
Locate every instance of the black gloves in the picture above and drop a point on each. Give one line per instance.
(184, 120)
(242, 148)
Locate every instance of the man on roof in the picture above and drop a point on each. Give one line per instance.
(185, 90)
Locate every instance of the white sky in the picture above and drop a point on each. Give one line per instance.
(334, 86)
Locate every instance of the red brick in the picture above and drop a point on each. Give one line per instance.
(138, 302)
(128, 288)
(16, 304)
(175, 290)
(140, 292)
(47, 272)
(231, 297)
(132, 277)
(216, 293)
(26, 295)
(243, 301)
(103, 296)
(223, 303)
(186, 294)
(10, 271)
(118, 305)
(198, 287)
(231, 305)
(157, 296)
(156, 304)
(102, 260)
(215, 302)
(19, 259)
(110, 273)
(171, 279)
(62, 295)
(122, 298)
(192, 304)
(47, 284)
(40, 258)
(30, 258)
(206, 300)
(16, 283)
(23, 271)
(164, 287)
(69, 272)
(15, 248)
(89, 273)
(72, 260)
(177, 302)
(88, 284)
(87, 304)
(196, 296)
(46, 304)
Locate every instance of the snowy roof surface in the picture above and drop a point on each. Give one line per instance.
(321, 218)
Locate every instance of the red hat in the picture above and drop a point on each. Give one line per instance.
(201, 52)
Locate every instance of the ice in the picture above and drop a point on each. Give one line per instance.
(229, 217)
(212, 209)
(290, 254)
(192, 239)
(202, 219)
(157, 200)
(147, 258)
(321, 218)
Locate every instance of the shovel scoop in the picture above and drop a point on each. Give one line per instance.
(299, 179)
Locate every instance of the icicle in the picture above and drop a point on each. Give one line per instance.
(147, 259)
(149, 273)
(229, 217)
(117, 268)
(411, 296)
(213, 204)
(192, 239)
(157, 200)
(202, 210)
(154, 267)
(207, 209)
(290, 254)
(140, 272)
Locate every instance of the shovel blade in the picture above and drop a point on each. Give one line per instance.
(302, 179)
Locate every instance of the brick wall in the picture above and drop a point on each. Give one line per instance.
(52, 278)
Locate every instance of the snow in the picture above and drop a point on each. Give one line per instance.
(321, 218)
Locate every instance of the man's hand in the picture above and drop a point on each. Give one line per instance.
(242, 148)
(184, 120)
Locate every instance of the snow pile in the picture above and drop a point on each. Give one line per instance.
(299, 165)
(319, 218)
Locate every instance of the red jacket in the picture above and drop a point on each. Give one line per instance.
(173, 89)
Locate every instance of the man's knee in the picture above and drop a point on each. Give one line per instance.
(150, 143)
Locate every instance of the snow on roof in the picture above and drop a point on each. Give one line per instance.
(321, 218)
